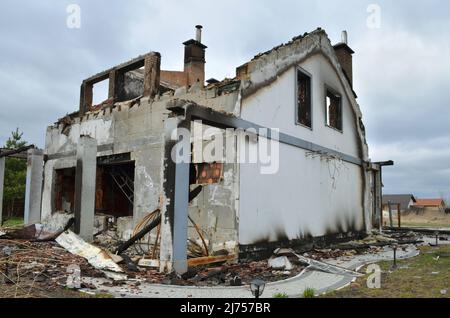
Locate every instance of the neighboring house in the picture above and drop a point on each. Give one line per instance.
(434, 205)
(405, 201)
(121, 158)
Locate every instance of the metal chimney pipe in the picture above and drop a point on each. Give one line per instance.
(344, 37)
(198, 36)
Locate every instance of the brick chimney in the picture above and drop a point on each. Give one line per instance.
(194, 59)
(344, 54)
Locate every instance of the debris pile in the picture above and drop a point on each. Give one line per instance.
(37, 269)
(34, 261)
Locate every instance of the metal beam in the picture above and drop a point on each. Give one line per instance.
(220, 120)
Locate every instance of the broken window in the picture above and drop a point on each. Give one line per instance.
(334, 110)
(304, 99)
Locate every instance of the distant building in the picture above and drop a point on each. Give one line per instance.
(406, 201)
(433, 205)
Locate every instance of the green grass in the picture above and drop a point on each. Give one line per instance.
(309, 293)
(13, 222)
(280, 295)
(423, 276)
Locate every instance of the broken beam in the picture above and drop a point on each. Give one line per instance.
(193, 262)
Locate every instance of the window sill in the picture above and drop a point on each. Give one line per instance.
(304, 126)
(335, 129)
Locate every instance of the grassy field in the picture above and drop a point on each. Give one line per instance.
(13, 222)
(424, 276)
(428, 219)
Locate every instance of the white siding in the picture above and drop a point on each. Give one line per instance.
(309, 195)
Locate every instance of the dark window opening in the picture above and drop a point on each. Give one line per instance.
(304, 99)
(114, 189)
(334, 110)
(65, 190)
(114, 193)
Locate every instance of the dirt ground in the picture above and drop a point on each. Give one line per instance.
(427, 219)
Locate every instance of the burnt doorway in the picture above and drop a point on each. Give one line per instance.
(115, 186)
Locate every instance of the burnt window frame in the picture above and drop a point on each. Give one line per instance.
(329, 90)
(303, 73)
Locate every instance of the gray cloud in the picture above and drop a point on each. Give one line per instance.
(402, 70)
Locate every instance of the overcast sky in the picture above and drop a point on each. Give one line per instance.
(401, 65)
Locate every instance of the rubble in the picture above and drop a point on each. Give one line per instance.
(26, 263)
(98, 258)
(37, 269)
(281, 263)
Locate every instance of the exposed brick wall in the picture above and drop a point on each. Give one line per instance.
(175, 78)
(346, 60)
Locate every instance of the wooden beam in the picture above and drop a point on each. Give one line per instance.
(193, 262)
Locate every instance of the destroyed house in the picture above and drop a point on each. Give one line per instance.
(294, 165)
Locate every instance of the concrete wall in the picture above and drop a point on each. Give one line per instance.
(310, 195)
(215, 209)
(274, 106)
(137, 130)
(307, 197)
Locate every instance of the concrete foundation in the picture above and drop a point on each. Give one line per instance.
(33, 191)
(85, 187)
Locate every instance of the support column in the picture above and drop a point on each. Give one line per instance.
(33, 190)
(182, 155)
(2, 182)
(85, 187)
(378, 201)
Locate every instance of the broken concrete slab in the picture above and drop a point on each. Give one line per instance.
(151, 263)
(56, 221)
(281, 263)
(94, 255)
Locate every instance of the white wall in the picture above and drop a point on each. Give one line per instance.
(275, 105)
(309, 195)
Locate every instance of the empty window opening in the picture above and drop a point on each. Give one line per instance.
(304, 99)
(334, 110)
(100, 92)
(115, 189)
(65, 190)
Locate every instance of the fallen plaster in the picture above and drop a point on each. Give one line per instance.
(321, 282)
(94, 255)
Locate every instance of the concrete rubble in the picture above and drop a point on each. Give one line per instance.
(26, 259)
(98, 258)
(280, 263)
